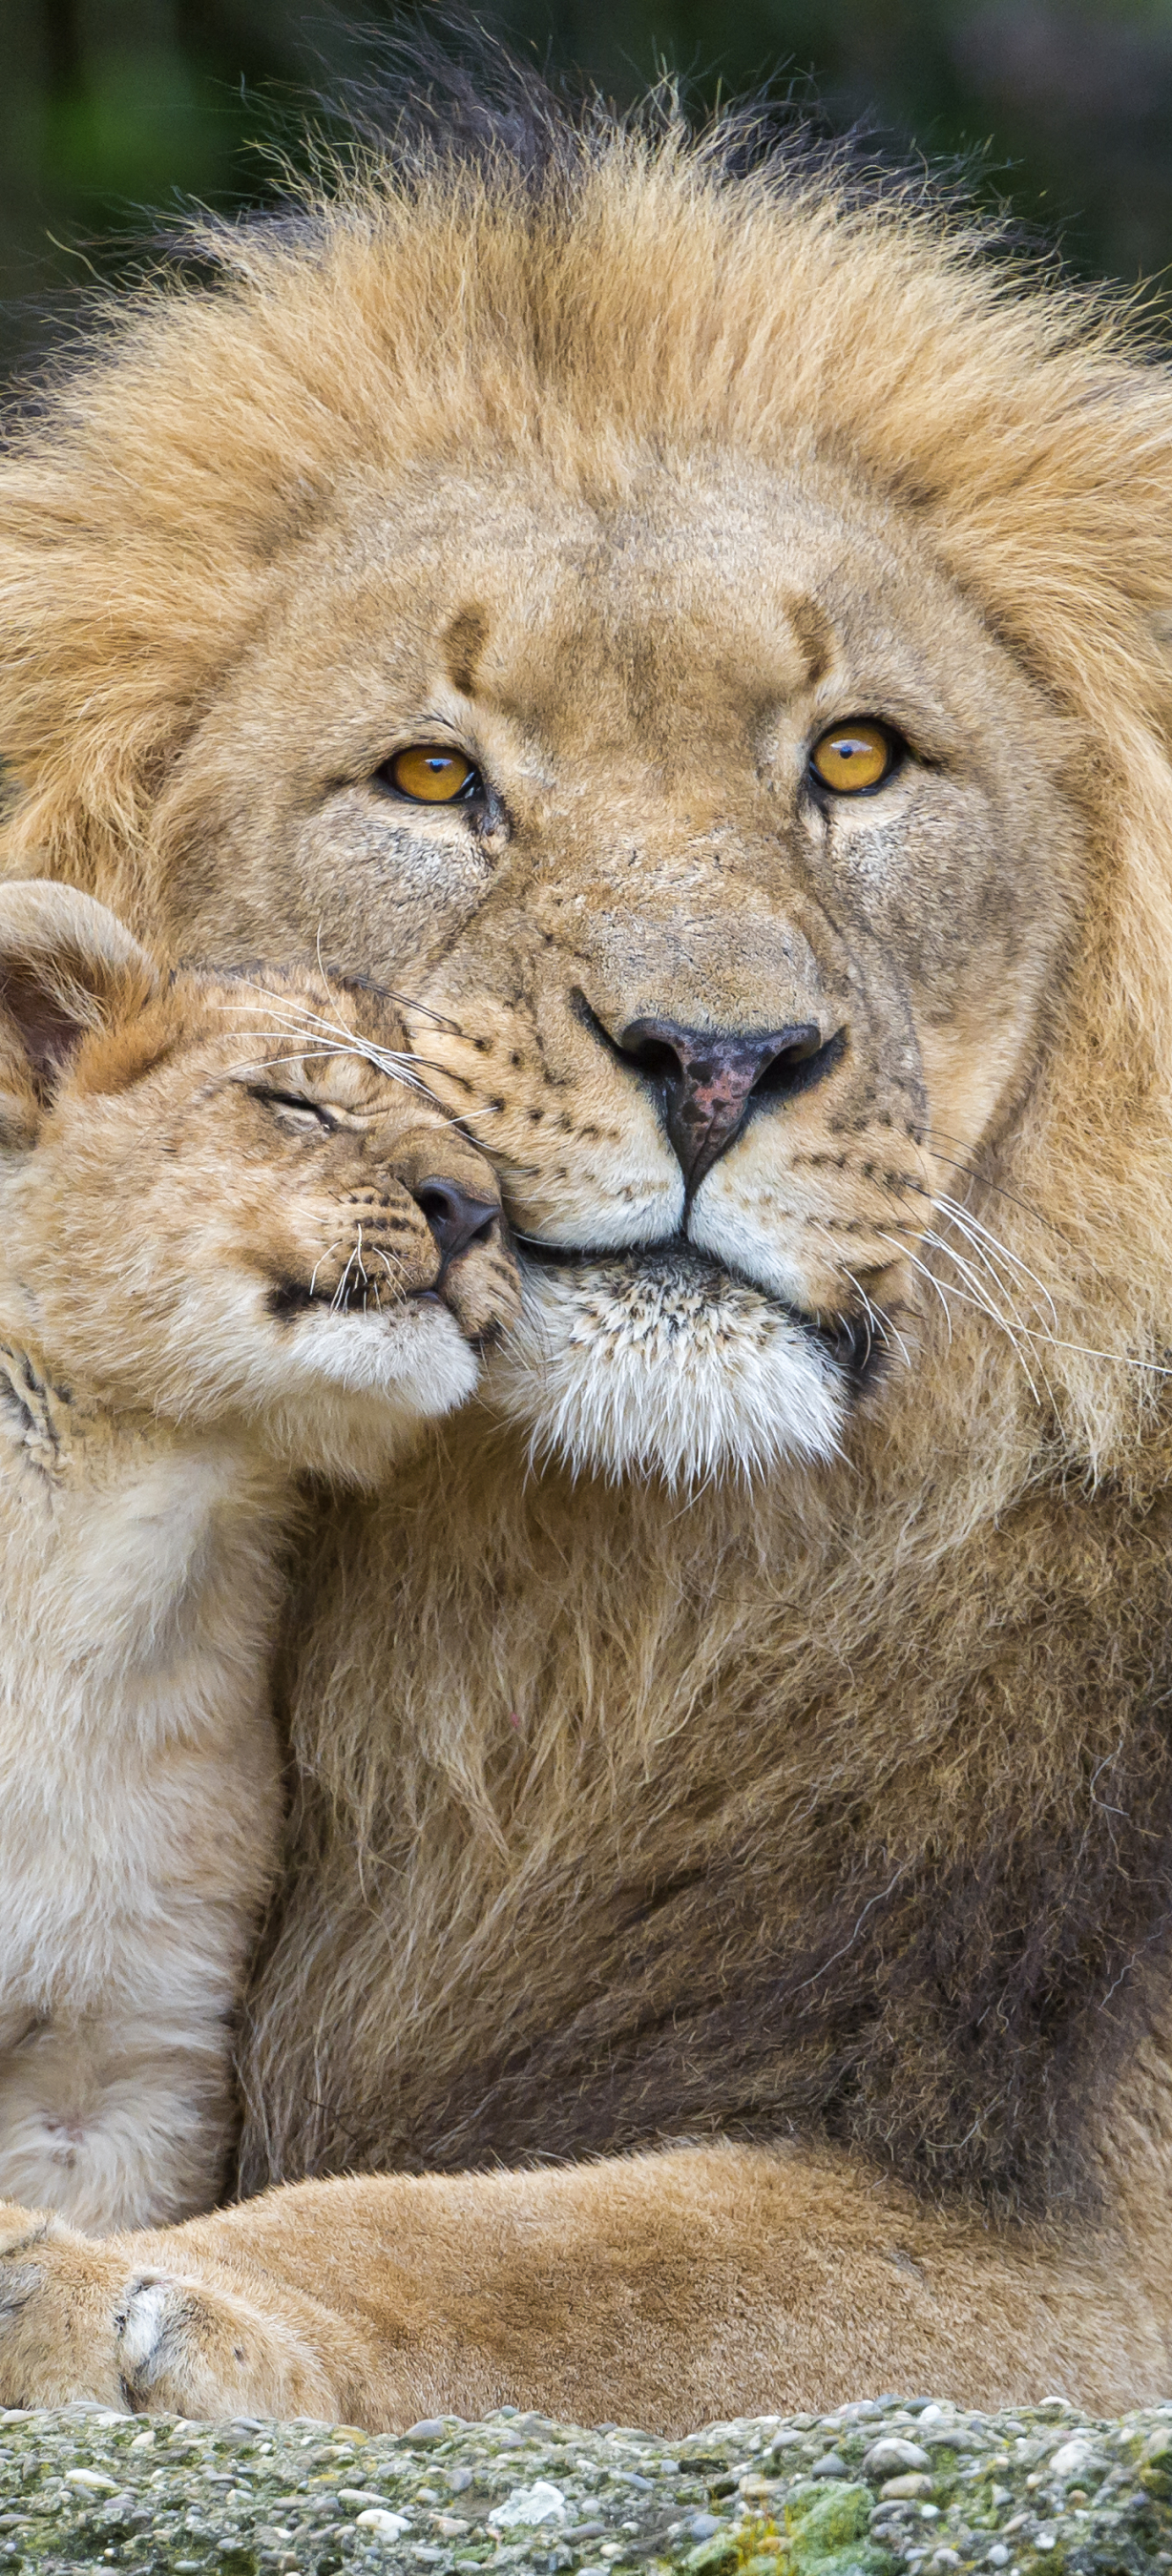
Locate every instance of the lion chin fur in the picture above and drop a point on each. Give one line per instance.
(678, 1371)
(702, 1738)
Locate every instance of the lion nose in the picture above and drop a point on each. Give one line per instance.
(457, 1218)
(707, 1078)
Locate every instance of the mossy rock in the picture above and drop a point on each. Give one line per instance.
(1044, 2491)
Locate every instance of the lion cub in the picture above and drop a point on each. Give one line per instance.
(233, 1247)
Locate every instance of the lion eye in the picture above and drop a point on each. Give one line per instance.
(432, 776)
(854, 756)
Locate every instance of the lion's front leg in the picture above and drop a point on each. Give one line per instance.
(86, 2318)
(662, 2289)
(60, 2295)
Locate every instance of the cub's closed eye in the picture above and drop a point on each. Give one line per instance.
(308, 1112)
(429, 774)
(855, 757)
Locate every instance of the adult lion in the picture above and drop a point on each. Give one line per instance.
(695, 629)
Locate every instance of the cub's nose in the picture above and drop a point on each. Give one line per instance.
(457, 1218)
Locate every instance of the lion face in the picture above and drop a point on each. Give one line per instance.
(726, 1031)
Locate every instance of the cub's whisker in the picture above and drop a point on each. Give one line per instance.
(327, 1255)
(340, 1290)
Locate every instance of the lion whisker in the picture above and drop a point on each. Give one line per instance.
(989, 1246)
(969, 1172)
(990, 1250)
(275, 1063)
(396, 1063)
(999, 1288)
(1054, 1341)
(925, 1273)
(1121, 1359)
(335, 1042)
(974, 1296)
(1011, 1325)
(883, 1326)
(301, 1014)
(1030, 1332)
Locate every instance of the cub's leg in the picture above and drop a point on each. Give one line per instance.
(113, 2123)
(663, 2290)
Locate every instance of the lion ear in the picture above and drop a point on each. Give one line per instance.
(65, 965)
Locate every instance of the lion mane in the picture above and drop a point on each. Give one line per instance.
(835, 1797)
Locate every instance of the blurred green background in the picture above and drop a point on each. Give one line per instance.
(111, 110)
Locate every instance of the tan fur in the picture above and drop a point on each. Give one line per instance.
(674, 2289)
(160, 1182)
(690, 1742)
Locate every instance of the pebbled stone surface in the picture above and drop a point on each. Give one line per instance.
(1028, 2493)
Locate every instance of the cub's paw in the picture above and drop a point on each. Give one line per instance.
(78, 2319)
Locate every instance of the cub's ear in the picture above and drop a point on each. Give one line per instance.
(65, 965)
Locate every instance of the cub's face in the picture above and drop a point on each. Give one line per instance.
(723, 861)
(237, 1204)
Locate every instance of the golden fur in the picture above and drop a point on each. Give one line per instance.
(751, 1715)
(216, 1272)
